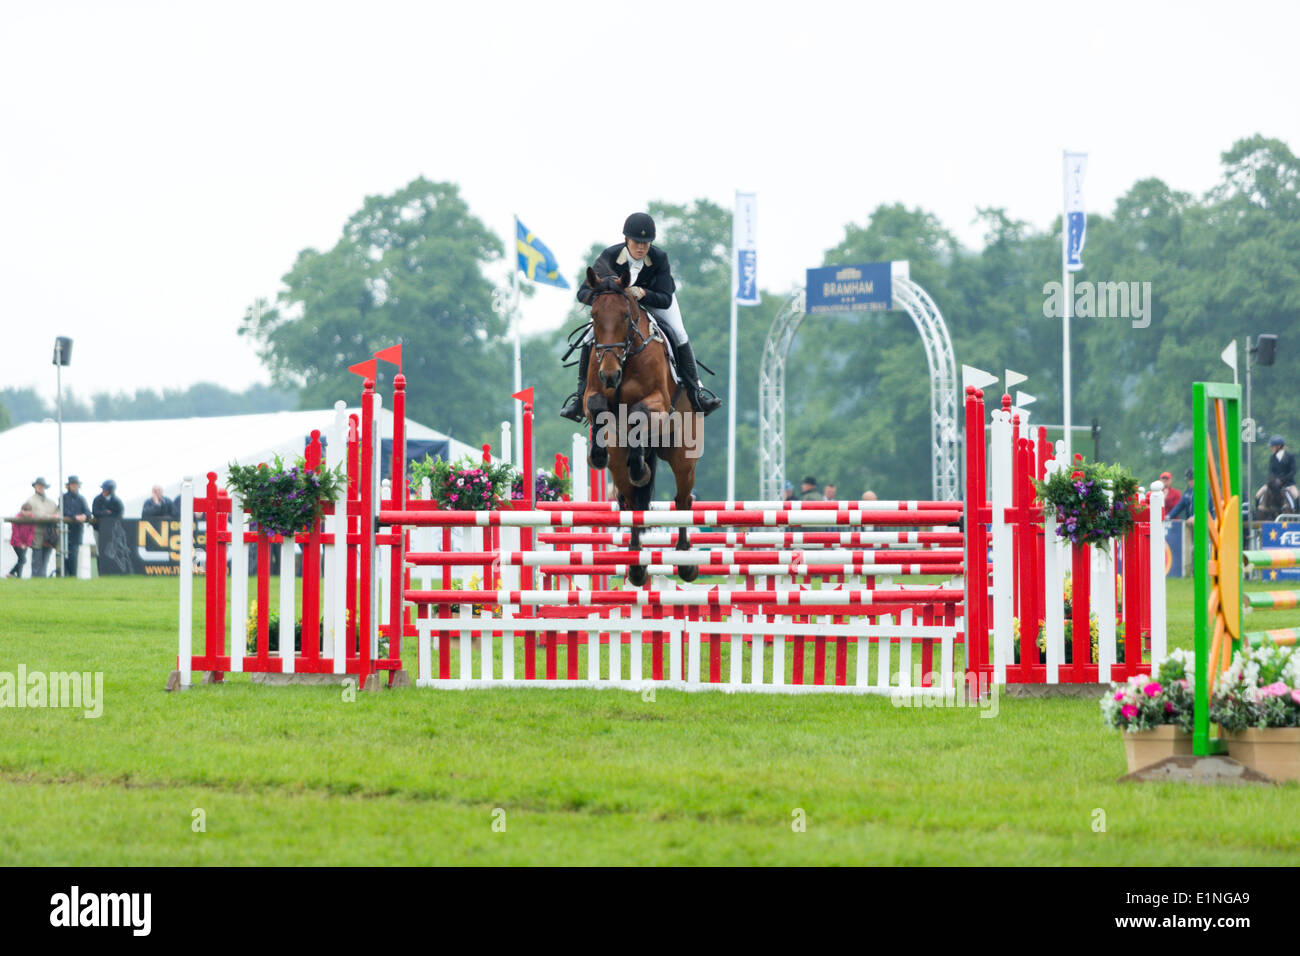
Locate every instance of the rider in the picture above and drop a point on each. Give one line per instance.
(1281, 465)
(650, 281)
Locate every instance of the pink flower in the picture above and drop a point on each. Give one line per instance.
(1119, 695)
(1169, 707)
(1295, 695)
(1129, 711)
(1185, 683)
(1276, 689)
(452, 497)
(1151, 689)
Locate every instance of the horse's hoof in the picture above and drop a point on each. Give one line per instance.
(636, 575)
(688, 572)
(598, 457)
(643, 480)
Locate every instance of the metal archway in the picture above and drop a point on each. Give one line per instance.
(944, 449)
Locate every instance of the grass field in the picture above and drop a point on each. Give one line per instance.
(299, 775)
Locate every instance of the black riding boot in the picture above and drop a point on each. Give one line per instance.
(702, 400)
(573, 407)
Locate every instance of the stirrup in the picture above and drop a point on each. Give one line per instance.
(704, 401)
(572, 408)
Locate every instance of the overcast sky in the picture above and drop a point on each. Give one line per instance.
(163, 163)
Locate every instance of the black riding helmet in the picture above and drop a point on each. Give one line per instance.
(639, 226)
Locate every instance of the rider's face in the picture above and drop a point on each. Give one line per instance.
(637, 249)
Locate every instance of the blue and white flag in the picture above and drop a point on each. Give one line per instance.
(1076, 220)
(535, 260)
(744, 250)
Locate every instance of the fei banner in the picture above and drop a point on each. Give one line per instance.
(1280, 534)
(744, 250)
(861, 288)
(1076, 220)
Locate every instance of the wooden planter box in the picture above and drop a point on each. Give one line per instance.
(1274, 751)
(1151, 746)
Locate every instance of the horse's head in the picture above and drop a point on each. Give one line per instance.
(614, 316)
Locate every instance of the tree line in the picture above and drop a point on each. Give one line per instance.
(410, 267)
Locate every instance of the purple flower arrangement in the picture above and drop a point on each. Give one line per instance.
(1093, 502)
(283, 501)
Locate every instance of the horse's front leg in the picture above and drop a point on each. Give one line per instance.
(598, 411)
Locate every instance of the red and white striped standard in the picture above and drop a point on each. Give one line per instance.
(569, 518)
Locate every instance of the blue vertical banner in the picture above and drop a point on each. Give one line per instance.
(1076, 219)
(744, 246)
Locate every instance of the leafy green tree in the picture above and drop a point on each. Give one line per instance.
(407, 269)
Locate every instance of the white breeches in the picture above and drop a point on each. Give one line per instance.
(671, 317)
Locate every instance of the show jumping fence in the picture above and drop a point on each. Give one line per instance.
(896, 598)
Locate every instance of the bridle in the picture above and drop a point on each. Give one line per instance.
(634, 342)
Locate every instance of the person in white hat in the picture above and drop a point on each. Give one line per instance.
(47, 533)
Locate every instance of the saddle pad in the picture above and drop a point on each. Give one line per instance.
(668, 347)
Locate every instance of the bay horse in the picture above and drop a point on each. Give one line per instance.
(636, 414)
(1272, 502)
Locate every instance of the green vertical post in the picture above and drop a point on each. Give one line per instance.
(1205, 444)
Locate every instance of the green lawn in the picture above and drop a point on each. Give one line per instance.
(299, 775)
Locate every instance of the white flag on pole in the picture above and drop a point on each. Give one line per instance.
(1076, 220)
(1229, 356)
(744, 250)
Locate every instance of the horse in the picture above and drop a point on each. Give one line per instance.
(636, 415)
(1272, 502)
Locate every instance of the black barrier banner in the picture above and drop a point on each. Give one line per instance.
(153, 546)
(144, 545)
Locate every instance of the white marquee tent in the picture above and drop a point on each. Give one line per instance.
(141, 454)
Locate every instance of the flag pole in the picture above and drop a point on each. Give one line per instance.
(1067, 287)
(512, 255)
(1067, 282)
(731, 387)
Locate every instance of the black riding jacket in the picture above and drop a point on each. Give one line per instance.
(656, 276)
(1283, 469)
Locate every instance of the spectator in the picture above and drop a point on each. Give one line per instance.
(1172, 494)
(829, 493)
(75, 512)
(46, 534)
(156, 506)
(107, 504)
(868, 495)
(20, 539)
(788, 493)
(808, 491)
(1186, 507)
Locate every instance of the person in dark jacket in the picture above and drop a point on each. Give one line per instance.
(1281, 466)
(649, 278)
(75, 512)
(107, 503)
(156, 506)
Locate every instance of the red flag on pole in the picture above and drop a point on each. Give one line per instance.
(525, 396)
(392, 355)
(364, 369)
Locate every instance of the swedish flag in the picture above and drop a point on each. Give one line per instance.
(535, 260)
